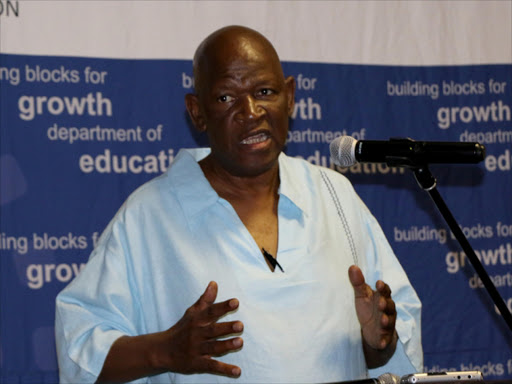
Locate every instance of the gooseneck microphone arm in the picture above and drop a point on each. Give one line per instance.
(427, 182)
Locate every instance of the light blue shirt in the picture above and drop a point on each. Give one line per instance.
(175, 234)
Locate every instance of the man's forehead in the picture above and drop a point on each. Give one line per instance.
(230, 48)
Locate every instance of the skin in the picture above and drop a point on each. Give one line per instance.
(243, 102)
(376, 313)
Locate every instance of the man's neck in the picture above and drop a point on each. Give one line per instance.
(239, 188)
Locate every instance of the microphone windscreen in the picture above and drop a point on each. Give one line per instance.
(343, 151)
(389, 378)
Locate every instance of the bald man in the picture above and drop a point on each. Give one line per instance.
(239, 263)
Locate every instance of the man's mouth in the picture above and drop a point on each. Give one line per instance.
(259, 138)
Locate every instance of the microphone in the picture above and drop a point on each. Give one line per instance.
(346, 151)
(418, 378)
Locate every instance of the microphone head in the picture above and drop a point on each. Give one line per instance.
(389, 378)
(343, 151)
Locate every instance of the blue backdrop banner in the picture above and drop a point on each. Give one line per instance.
(79, 134)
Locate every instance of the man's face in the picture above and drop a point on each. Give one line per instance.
(244, 104)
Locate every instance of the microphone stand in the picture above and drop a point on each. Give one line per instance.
(427, 182)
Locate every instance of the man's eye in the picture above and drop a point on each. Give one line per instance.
(266, 92)
(225, 98)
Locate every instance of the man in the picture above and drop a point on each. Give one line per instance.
(270, 238)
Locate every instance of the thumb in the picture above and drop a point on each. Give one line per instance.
(356, 278)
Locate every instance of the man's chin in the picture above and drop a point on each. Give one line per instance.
(254, 167)
(252, 171)
(247, 163)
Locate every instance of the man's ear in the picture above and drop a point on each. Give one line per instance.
(194, 111)
(290, 93)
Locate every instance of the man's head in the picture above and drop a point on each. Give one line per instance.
(242, 100)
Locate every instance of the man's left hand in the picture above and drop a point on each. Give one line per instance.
(375, 310)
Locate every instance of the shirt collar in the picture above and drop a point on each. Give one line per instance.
(195, 193)
(292, 183)
(188, 182)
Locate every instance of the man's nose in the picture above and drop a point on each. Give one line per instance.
(250, 108)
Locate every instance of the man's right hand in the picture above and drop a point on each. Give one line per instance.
(188, 347)
(194, 340)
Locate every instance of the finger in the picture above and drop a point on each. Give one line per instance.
(392, 319)
(214, 311)
(209, 295)
(383, 288)
(384, 321)
(207, 298)
(219, 368)
(217, 330)
(383, 338)
(218, 348)
(387, 339)
(387, 323)
(382, 303)
(390, 307)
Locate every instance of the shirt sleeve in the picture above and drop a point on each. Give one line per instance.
(97, 308)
